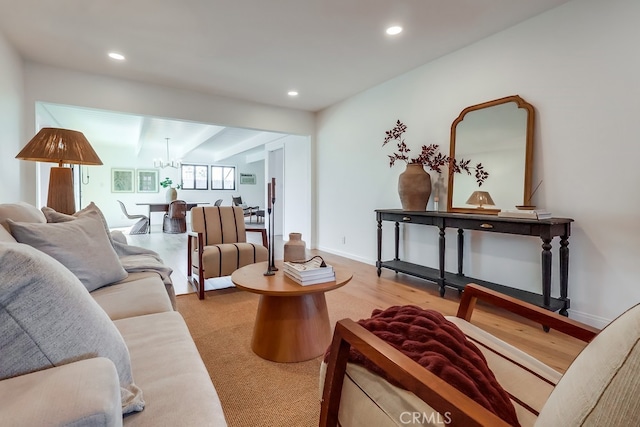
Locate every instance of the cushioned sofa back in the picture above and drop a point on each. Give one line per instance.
(5, 236)
(19, 212)
(602, 385)
(223, 224)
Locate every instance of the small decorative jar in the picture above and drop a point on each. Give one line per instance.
(295, 248)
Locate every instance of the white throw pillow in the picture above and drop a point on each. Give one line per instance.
(54, 216)
(81, 245)
(49, 319)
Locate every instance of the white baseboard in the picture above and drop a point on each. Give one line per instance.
(589, 319)
(347, 255)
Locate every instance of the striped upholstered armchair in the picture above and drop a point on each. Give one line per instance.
(218, 244)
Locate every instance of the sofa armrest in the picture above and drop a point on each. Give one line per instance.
(265, 243)
(438, 394)
(86, 392)
(473, 292)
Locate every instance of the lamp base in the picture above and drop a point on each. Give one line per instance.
(61, 196)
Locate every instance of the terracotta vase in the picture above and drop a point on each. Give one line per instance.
(414, 188)
(295, 248)
(172, 194)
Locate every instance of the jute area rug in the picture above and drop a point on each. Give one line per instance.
(254, 391)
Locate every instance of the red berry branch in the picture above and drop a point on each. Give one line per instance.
(430, 156)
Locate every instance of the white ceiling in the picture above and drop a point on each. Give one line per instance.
(255, 50)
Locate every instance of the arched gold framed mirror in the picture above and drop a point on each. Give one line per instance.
(499, 135)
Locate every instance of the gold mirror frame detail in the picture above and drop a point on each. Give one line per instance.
(528, 163)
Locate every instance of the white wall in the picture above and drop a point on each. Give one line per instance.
(274, 169)
(11, 123)
(289, 161)
(576, 65)
(297, 188)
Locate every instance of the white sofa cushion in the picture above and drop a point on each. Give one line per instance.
(21, 211)
(137, 295)
(5, 236)
(90, 390)
(168, 367)
(602, 385)
(49, 319)
(81, 245)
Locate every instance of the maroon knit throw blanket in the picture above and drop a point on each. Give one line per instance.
(442, 348)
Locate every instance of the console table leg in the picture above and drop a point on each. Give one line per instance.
(564, 273)
(460, 249)
(379, 263)
(546, 272)
(441, 255)
(397, 241)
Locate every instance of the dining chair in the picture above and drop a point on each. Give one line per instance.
(249, 211)
(175, 220)
(143, 226)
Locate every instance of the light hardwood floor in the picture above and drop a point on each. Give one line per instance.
(553, 348)
(173, 250)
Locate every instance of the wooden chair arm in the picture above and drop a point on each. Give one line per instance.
(441, 396)
(193, 243)
(265, 242)
(473, 292)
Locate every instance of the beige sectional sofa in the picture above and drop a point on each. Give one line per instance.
(86, 386)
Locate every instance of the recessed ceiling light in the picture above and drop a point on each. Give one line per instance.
(292, 93)
(116, 56)
(396, 29)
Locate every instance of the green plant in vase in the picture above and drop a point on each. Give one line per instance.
(172, 192)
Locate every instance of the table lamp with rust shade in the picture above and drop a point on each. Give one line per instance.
(62, 146)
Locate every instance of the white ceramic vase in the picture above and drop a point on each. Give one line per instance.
(172, 194)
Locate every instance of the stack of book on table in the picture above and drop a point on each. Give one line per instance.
(525, 213)
(309, 273)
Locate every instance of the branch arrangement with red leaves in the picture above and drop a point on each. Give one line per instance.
(430, 156)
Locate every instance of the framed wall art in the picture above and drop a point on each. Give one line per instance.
(122, 180)
(147, 181)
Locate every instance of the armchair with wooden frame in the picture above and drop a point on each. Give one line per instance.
(217, 244)
(600, 387)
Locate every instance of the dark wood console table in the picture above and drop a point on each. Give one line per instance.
(546, 229)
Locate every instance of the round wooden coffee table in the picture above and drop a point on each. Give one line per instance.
(292, 324)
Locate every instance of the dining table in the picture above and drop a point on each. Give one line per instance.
(164, 207)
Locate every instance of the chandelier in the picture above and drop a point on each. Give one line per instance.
(160, 163)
